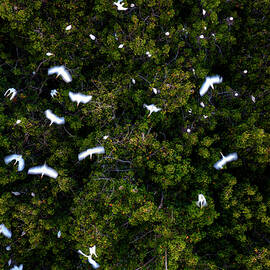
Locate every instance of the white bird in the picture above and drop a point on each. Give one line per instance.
(16, 193)
(245, 71)
(78, 97)
(253, 99)
(132, 5)
(105, 137)
(120, 5)
(17, 268)
(218, 165)
(155, 90)
(33, 194)
(92, 37)
(43, 170)
(54, 93)
(8, 248)
(203, 12)
(151, 108)
(17, 158)
(167, 33)
(5, 231)
(133, 81)
(54, 118)
(148, 54)
(59, 234)
(9, 262)
(202, 104)
(68, 27)
(18, 122)
(94, 264)
(60, 70)
(209, 81)
(231, 18)
(121, 46)
(201, 36)
(91, 151)
(49, 54)
(201, 201)
(188, 130)
(12, 92)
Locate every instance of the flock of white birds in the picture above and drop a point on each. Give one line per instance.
(81, 98)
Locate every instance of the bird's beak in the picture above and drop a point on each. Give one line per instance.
(15, 162)
(57, 76)
(77, 105)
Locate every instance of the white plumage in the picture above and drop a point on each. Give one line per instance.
(60, 70)
(54, 118)
(43, 170)
(78, 97)
(209, 81)
(201, 201)
(91, 151)
(151, 108)
(59, 234)
(5, 231)
(92, 37)
(17, 158)
(15, 267)
(12, 92)
(120, 5)
(92, 251)
(218, 165)
(68, 27)
(16, 193)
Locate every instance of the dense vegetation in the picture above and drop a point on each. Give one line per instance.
(136, 202)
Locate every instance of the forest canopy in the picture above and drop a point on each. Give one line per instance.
(138, 201)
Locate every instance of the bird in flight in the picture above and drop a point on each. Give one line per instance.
(5, 231)
(151, 108)
(43, 170)
(54, 118)
(209, 81)
(219, 165)
(60, 70)
(17, 268)
(17, 158)
(78, 97)
(120, 5)
(12, 92)
(201, 201)
(92, 251)
(91, 151)
(54, 93)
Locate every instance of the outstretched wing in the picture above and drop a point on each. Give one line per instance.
(94, 264)
(65, 75)
(218, 165)
(54, 118)
(5, 231)
(59, 120)
(73, 96)
(53, 70)
(50, 172)
(21, 165)
(231, 157)
(84, 98)
(9, 158)
(83, 154)
(98, 150)
(35, 170)
(204, 87)
(49, 115)
(216, 79)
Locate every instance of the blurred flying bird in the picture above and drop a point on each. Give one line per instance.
(60, 70)
(120, 5)
(209, 81)
(5, 231)
(54, 93)
(43, 170)
(151, 108)
(17, 268)
(201, 201)
(12, 92)
(78, 97)
(54, 118)
(245, 71)
(17, 158)
(91, 151)
(218, 165)
(92, 250)
(105, 137)
(132, 5)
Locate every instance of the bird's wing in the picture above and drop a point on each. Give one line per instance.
(84, 98)
(157, 109)
(94, 264)
(83, 154)
(204, 87)
(21, 164)
(98, 150)
(92, 250)
(35, 170)
(50, 172)
(5, 231)
(65, 75)
(49, 115)
(73, 96)
(9, 158)
(59, 120)
(218, 165)
(53, 70)
(146, 106)
(79, 251)
(231, 157)
(216, 79)
(21, 267)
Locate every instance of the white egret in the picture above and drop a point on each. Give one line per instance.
(188, 130)
(18, 122)
(92, 250)
(5, 231)
(205, 28)
(119, 5)
(16, 193)
(201, 36)
(203, 12)
(105, 137)
(205, 116)
(12, 92)
(17, 268)
(148, 54)
(201, 201)
(155, 90)
(121, 46)
(209, 81)
(202, 104)
(253, 99)
(151, 108)
(190, 111)
(33, 194)
(44, 169)
(92, 37)
(54, 118)
(54, 93)
(218, 165)
(245, 71)
(17, 158)
(9, 262)
(68, 27)
(231, 18)
(78, 97)
(132, 5)
(91, 151)
(60, 70)
(167, 33)
(59, 234)
(133, 81)
(49, 54)
(8, 248)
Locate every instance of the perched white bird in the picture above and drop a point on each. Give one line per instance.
(231, 18)
(91, 151)
(120, 5)
(9, 262)
(94, 264)
(17, 268)
(8, 248)
(68, 27)
(60, 70)
(245, 71)
(188, 130)
(23, 233)
(54, 93)
(151, 108)
(44, 169)
(54, 118)
(132, 5)
(12, 92)
(167, 33)
(205, 116)
(17, 158)
(121, 46)
(16, 193)
(209, 81)
(92, 37)
(59, 234)
(201, 36)
(155, 90)
(203, 12)
(218, 165)
(201, 201)
(49, 54)
(78, 97)
(253, 99)
(148, 54)
(105, 137)
(202, 104)
(5, 231)
(33, 194)
(18, 122)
